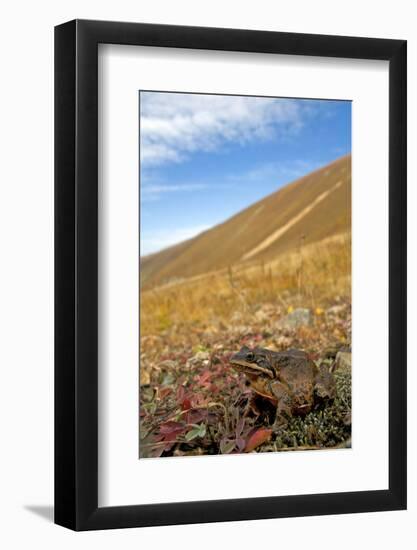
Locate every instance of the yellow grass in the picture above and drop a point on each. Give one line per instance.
(310, 276)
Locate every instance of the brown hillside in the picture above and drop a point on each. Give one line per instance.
(309, 209)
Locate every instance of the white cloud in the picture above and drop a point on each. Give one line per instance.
(286, 170)
(151, 192)
(175, 125)
(277, 172)
(158, 240)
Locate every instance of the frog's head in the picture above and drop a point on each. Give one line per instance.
(254, 363)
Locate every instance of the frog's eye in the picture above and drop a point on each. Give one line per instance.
(250, 356)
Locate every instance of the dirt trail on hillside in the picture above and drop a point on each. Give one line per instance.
(282, 230)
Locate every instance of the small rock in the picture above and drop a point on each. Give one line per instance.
(343, 361)
(336, 310)
(168, 364)
(266, 309)
(202, 357)
(261, 315)
(283, 342)
(300, 317)
(347, 420)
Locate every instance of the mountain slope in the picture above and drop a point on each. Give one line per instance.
(307, 210)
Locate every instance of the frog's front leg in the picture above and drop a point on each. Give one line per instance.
(252, 406)
(282, 394)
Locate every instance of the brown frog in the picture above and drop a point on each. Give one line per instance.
(289, 379)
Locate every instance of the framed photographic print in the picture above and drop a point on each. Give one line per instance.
(230, 252)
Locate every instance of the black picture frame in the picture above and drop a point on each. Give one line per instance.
(76, 273)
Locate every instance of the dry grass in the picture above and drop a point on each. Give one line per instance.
(311, 276)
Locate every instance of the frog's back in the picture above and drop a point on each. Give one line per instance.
(298, 372)
(294, 364)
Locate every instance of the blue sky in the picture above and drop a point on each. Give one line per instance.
(204, 158)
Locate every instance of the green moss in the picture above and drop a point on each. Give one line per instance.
(325, 427)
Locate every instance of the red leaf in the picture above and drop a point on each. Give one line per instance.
(171, 427)
(186, 404)
(194, 416)
(163, 392)
(257, 438)
(204, 377)
(170, 437)
(180, 393)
